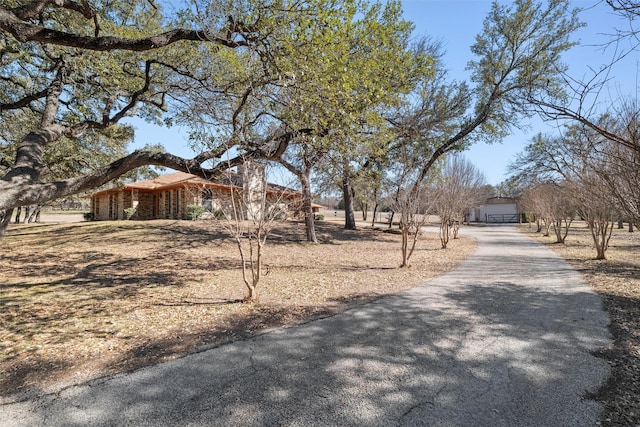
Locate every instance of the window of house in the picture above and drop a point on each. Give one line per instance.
(167, 204)
(112, 206)
(155, 206)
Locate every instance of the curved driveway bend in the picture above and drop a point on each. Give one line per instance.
(503, 340)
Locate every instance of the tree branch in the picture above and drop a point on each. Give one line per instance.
(14, 194)
(451, 142)
(21, 103)
(108, 120)
(558, 112)
(26, 32)
(33, 9)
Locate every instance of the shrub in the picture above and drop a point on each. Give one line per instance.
(88, 216)
(129, 213)
(195, 211)
(318, 217)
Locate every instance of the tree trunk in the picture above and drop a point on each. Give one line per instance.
(601, 231)
(375, 212)
(547, 227)
(5, 219)
(349, 211)
(18, 214)
(444, 233)
(253, 294)
(404, 231)
(630, 226)
(27, 214)
(557, 229)
(35, 214)
(250, 266)
(307, 209)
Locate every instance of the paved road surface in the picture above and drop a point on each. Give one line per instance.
(503, 340)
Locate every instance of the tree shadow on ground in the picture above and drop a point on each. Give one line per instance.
(621, 395)
(619, 269)
(89, 270)
(326, 233)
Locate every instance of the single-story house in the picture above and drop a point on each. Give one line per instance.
(496, 210)
(168, 196)
(315, 208)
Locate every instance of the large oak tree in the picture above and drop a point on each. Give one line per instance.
(78, 67)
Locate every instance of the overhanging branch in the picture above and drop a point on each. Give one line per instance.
(557, 112)
(27, 32)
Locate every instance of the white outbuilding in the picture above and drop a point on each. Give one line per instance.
(496, 210)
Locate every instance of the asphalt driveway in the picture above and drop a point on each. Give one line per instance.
(503, 340)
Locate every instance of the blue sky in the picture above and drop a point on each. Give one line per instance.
(455, 23)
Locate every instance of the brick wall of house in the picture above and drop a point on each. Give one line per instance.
(101, 207)
(144, 209)
(222, 201)
(189, 196)
(182, 212)
(162, 196)
(127, 201)
(171, 204)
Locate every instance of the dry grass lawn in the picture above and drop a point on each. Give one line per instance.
(617, 279)
(78, 301)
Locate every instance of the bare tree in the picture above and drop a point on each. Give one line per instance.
(459, 187)
(528, 203)
(412, 204)
(586, 102)
(575, 165)
(414, 209)
(620, 165)
(622, 178)
(249, 216)
(593, 178)
(597, 209)
(554, 204)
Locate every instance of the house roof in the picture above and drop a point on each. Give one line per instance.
(170, 180)
(500, 201)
